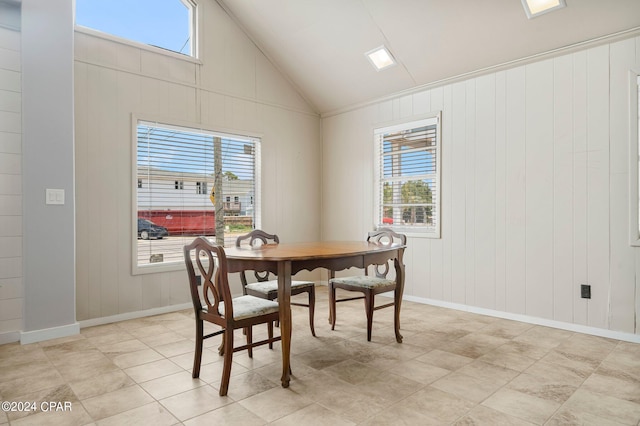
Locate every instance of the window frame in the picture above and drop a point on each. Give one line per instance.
(194, 30)
(140, 269)
(634, 158)
(406, 124)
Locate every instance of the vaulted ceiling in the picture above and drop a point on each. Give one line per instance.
(320, 44)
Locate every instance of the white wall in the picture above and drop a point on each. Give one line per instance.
(11, 286)
(534, 189)
(233, 88)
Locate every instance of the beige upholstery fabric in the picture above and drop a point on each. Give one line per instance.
(363, 281)
(268, 286)
(250, 306)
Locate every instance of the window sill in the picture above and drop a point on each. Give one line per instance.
(155, 268)
(136, 44)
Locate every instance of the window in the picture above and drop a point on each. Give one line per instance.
(201, 188)
(407, 175)
(200, 162)
(167, 24)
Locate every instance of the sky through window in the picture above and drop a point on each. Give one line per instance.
(162, 23)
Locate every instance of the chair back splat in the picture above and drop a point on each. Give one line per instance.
(368, 285)
(208, 281)
(211, 278)
(267, 288)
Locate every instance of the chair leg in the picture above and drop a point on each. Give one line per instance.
(249, 331)
(332, 306)
(228, 357)
(368, 306)
(312, 309)
(221, 347)
(197, 357)
(270, 333)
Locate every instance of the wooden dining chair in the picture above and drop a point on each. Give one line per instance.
(369, 285)
(268, 289)
(210, 284)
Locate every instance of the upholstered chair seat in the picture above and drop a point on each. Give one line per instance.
(368, 285)
(268, 289)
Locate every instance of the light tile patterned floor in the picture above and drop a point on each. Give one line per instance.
(453, 368)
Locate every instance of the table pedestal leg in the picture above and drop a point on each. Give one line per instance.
(284, 300)
(399, 265)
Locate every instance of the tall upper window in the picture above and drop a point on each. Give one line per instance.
(167, 24)
(210, 167)
(407, 191)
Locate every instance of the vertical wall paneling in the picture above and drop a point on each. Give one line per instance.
(563, 285)
(242, 93)
(636, 251)
(622, 60)
(515, 170)
(539, 188)
(470, 210)
(11, 280)
(384, 112)
(421, 270)
(107, 169)
(458, 153)
(436, 281)
(395, 108)
(446, 215)
(422, 102)
(91, 253)
(580, 212)
(130, 289)
(366, 192)
(83, 237)
(500, 191)
(534, 189)
(485, 189)
(406, 106)
(637, 291)
(598, 184)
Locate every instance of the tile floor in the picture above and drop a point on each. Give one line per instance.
(453, 368)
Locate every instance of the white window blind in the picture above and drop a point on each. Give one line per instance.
(179, 167)
(408, 176)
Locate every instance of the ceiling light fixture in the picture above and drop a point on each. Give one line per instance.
(380, 58)
(535, 8)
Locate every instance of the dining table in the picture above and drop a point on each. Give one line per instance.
(287, 259)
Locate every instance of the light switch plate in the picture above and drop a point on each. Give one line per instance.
(55, 196)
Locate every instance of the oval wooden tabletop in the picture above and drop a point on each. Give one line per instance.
(303, 251)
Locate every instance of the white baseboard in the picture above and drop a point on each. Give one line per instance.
(26, 337)
(601, 332)
(133, 315)
(69, 330)
(34, 336)
(9, 337)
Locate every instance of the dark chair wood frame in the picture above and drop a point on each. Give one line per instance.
(216, 294)
(258, 235)
(383, 236)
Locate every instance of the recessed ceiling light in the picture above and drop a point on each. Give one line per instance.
(380, 58)
(535, 8)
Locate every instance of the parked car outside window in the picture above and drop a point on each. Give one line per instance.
(148, 229)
